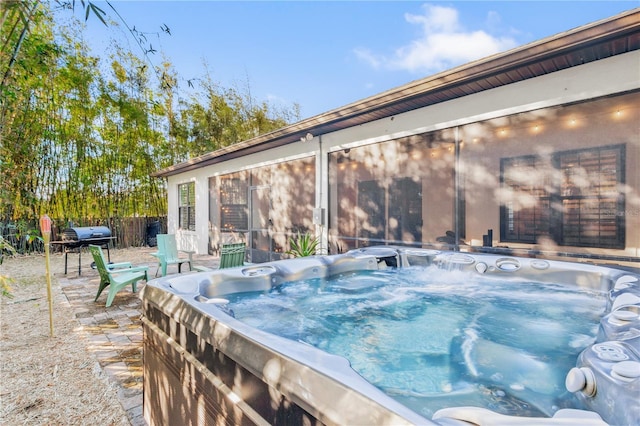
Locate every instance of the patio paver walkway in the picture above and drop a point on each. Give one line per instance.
(114, 334)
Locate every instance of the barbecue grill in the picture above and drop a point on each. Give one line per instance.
(74, 239)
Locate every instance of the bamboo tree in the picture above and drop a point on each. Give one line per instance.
(22, 119)
(79, 141)
(17, 19)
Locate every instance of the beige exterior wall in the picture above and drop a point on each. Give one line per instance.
(604, 122)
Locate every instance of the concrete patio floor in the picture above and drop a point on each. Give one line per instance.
(113, 335)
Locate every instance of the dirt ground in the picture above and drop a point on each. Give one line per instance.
(44, 379)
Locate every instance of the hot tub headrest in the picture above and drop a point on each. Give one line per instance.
(482, 416)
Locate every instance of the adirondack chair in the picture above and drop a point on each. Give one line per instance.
(115, 275)
(168, 254)
(232, 255)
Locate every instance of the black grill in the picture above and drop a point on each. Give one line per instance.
(74, 239)
(83, 236)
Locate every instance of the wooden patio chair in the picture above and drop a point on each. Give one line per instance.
(115, 275)
(168, 254)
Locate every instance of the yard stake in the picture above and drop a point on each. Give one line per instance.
(45, 227)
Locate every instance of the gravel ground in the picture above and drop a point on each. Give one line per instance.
(44, 379)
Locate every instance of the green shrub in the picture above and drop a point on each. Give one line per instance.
(5, 290)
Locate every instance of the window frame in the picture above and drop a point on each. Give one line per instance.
(234, 202)
(556, 201)
(189, 206)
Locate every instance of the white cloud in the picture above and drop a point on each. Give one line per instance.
(493, 19)
(375, 61)
(444, 43)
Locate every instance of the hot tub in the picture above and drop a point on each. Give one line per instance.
(203, 366)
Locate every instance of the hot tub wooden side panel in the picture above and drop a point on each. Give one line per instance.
(180, 389)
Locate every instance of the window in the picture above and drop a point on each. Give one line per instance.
(393, 213)
(525, 214)
(233, 203)
(378, 193)
(187, 206)
(405, 208)
(572, 197)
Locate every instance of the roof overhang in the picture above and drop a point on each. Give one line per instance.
(613, 36)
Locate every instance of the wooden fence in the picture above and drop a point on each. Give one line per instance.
(128, 232)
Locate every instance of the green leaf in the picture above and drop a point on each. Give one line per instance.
(98, 12)
(304, 245)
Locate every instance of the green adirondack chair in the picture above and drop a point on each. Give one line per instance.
(115, 275)
(232, 255)
(168, 254)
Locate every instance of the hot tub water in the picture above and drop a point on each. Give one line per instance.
(432, 338)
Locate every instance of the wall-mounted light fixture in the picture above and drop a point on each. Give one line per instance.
(306, 138)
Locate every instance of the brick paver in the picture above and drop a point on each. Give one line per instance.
(114, 334)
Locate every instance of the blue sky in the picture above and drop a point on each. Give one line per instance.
(327, 54)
